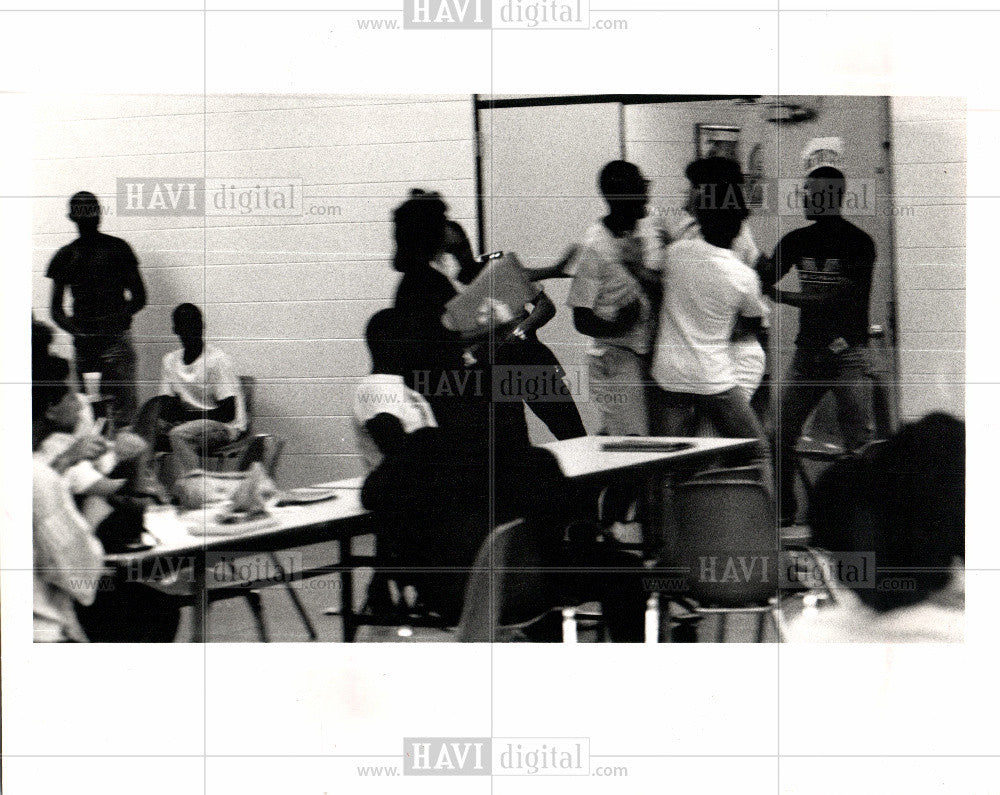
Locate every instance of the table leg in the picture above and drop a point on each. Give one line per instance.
(347, 591)
(198, 619)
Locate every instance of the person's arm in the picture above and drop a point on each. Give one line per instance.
(589, 324)
(86, 448)
(542, 312)
(133, 281)
(387, 432)
(58, 310)
(773, 269)
(559, 270)
(66, 553)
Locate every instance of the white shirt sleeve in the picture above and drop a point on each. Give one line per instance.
(224, 380)
(166, 387)
(745, 247)
(751, 302)
(66, 553)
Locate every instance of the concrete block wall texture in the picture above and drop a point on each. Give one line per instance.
(287, 297)
(929, 176)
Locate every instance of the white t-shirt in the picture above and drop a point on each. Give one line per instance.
(67, 557)
(705, 289)
(381, 393)
(603, 284)
(205, 382)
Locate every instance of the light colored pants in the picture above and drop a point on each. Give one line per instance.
(617, 386)
(190, 440)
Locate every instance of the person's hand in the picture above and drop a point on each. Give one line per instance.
(85, 448)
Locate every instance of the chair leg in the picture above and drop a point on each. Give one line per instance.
(720, 630)
(257, 610)
(569, 625)
(779, 623)
(762, 626)
(301, 610)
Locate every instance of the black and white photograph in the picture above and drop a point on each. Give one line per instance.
(491, 388)
(432, 419)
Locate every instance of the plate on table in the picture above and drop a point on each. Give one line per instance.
(306, 495)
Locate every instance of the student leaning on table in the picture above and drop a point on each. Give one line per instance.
(67, 555)
(901, 504)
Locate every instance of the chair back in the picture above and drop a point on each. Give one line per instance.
(247, 385)
(506, 587)
(727, 540)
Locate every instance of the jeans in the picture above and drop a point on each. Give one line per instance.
(189, 440)
(618, 387)
(114, 358)
(811, 375)
(728, 411)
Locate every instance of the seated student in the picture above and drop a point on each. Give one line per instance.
(385, 409)
(67, 555)
(125, 464)
(901, 504)
(436, 490)
(200, 406)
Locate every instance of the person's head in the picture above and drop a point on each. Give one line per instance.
(385, 341)
(85, 212)
(716, 198)
(41, 339)
(420, 229)
(54, 406)
(904, 503)
(823, 193)
(625, 190)
(188, 323)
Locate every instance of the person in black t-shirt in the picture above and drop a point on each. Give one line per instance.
(102, 274)
(834, 260)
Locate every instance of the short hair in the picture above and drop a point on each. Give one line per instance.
(829, 174)
(621, 178)
(419, 227)
(709, 170)
(186, 309)
(826, 172)
(84, 204)
(48, 384)
(389, 342)
(904, 501)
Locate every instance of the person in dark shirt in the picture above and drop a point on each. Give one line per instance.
(102, 274)
(834, 260)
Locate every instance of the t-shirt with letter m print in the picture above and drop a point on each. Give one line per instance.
(834, 260)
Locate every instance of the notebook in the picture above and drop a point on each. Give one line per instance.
(495, 297)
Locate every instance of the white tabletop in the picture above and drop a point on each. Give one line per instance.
(583, 457)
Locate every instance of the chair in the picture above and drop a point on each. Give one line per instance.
(507, 591)
(728, 544)
(232, 453)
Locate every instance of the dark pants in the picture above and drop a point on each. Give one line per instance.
(534, 360)
(114, 358)
(811, 375)
(677, 414)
